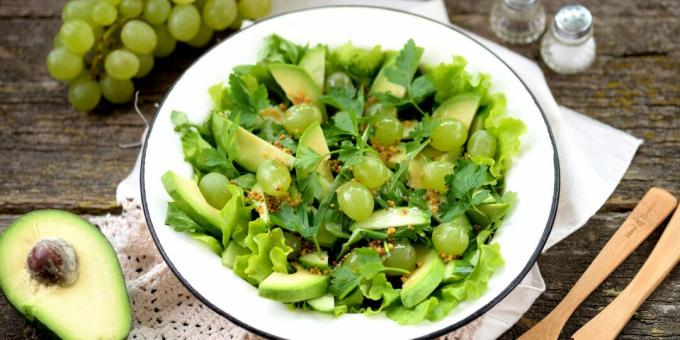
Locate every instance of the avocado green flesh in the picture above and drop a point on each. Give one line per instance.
(233, 250)
(325, 237)
(462, 107)
(261, 205)
(415, 172)
(353, 299)
(295, 287)
(189, 199)
(455, 271)
(487, 212)
(251, 150)
(296, 83)
(315, 260)
(95, 307)
(324, 304)
(393, 217)
(424, 280)
(314, 62)
(382, 85)
(314, 139)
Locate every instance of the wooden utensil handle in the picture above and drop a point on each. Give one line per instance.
(665, 256)
(653, 209)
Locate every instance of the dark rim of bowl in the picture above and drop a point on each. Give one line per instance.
(445, 330)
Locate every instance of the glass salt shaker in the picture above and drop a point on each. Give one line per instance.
(569, 46)
(518, 21)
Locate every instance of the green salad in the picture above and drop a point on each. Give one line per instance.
(350, 180)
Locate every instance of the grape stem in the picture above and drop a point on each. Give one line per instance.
(102, 43)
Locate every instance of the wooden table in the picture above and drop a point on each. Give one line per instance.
(55, 157)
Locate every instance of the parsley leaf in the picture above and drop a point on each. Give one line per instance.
(180, 221)
(464, 189)
(405, 66)
(343, 281)
(310, 186)
(306, 160)
(247, 99)
(421, 88)
(296, 221)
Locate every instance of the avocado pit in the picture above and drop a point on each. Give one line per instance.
(53, 261)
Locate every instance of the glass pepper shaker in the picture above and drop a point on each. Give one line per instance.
(569, 46)
(518, 21)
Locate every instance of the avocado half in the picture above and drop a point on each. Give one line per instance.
(60, 270)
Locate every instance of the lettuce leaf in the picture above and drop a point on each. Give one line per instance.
(449, 79)
(507, 131)
(410, 316)
(212, 243)
(269, 253)
(379, 288)
(277, 49)
(361, 64)
(236, 215)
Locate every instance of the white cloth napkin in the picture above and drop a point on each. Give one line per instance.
(593, 158)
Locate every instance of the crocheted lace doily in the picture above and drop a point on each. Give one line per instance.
(162, 307)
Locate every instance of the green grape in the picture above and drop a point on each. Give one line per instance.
(114, 2)
(183, 2)
(121, 64)
(448, 134)
(157, 11)
(402, 256)
(184, 22)
(236, 24)
(145, 65)
(338, 79)
(450, 239)
(104, 13)
(219, 14)
(203, 37)
(294, 242)
(388, 131)
(299, 117)
(482, 143)
(138, 37)
(165, 43)
(355, 200)
(213, 186)
(116, 91)
(379, 109)
(64, 65)
(371, 172)
(84, 94)
(434, 175)
(57, 42)
(77, 10)
(254, 9)
(273, 177)
(77, 36)
(130, 8)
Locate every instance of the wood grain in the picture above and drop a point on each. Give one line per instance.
(665, 256)
(654, 207)
(53, 156)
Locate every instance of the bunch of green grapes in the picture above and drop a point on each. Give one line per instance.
(103, 44)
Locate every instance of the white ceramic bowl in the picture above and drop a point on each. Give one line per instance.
(534, 175)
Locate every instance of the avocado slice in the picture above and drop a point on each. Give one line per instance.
(393, 217)
(462, 107)
(415, 172)
(457, 270)
(488, 212)
(324, 304)
(233, 250)
(352, 299)
(251, 149)
(325, 237)
(300, 286)
(189, 199)
(424, 280)
(314, 62)
(296, 83)
(382, 85)
(314, 138)
(92, 302)
(316, 260)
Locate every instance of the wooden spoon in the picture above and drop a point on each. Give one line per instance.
(665, 256)
(653, 209)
